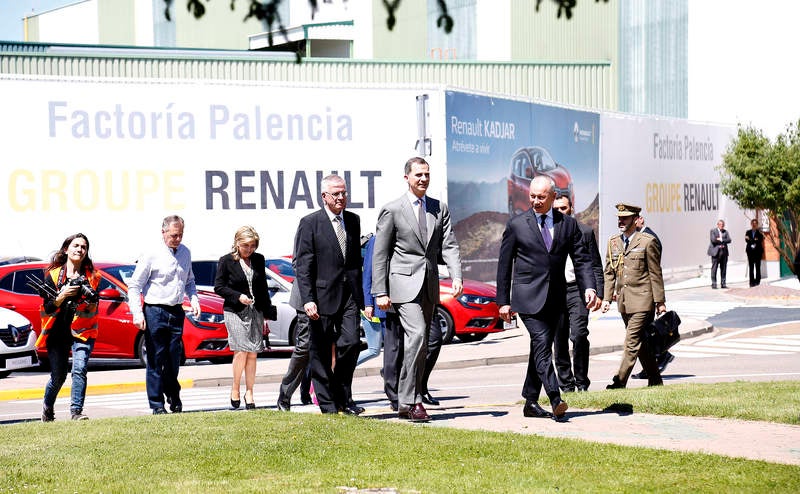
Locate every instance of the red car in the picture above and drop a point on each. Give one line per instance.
(530, 162)
(471, 316)
(203, 338)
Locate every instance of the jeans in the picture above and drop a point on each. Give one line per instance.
(58, 353)
(374, 333)
(163, 333)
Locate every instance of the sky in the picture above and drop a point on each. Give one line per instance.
(742, 62)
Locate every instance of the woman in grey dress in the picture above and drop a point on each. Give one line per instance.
(242, 282)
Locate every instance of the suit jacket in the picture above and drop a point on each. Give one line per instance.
(717, 248)
(231, 282)
(537, 272)
(402, 260)
(755, 243)
(634, 274)
(321, 270)
(597, 262)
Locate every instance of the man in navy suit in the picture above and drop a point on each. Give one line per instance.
(535, 247)
(328, 267)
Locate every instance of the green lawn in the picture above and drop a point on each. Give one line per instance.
(267, 451)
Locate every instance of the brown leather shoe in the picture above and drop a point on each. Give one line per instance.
(418, 413)
(414, 413)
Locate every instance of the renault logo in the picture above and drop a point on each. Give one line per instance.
(15, 333)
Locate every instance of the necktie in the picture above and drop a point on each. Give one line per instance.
(627, 240)
(423, 225)
(341, 235)
(548, 240)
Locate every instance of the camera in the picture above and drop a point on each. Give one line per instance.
(87, 292)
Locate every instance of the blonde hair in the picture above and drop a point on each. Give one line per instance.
(243, 234)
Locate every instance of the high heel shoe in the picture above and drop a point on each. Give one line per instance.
(249, 406)
(235, 403)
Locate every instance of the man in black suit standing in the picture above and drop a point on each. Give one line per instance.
(535, 247)
(718, 250)
(755, 251)
(573, 374)
(328, 267)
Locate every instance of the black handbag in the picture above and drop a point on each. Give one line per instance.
(663, 333)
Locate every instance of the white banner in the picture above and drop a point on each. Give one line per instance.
(111, 158)
(668, 168)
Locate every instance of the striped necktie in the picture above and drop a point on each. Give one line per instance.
(341, 235)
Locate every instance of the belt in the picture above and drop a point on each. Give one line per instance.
(572, 283)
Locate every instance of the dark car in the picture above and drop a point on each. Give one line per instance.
(204, 338)
(530, 162)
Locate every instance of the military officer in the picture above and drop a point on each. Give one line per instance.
(633, 278)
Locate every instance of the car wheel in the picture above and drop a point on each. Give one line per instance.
(141, 349)
(470, 337)
(5, 374)
(444, 320)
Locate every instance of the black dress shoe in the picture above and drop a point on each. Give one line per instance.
(175, 405)
(640, 375)
(352, 405)
(393, 405)
(581, 389)
(532, 409)
(429, 400)
(615, 384)
(284, 406)
(356, 410)
(664, 361)
(305, 399)
(159, 411)
(559, 408)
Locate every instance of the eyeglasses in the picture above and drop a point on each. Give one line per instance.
(337, 195)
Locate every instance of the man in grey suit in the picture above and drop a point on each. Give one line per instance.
(534, 249)
(413, 232)
(718, 250)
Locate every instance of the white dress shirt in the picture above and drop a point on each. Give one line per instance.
(163, 277)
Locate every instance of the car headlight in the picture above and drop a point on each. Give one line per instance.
(467, 299)
(206, 318)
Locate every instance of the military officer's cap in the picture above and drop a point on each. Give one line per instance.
(627, 210)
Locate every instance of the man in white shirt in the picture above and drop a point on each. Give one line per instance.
(164, 276)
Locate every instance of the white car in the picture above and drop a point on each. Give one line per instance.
(17, 343)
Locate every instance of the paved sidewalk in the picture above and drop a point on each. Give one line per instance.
(753, 440)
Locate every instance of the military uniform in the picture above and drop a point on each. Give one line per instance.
(633, 276)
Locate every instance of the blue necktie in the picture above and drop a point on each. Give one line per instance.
(548, 240)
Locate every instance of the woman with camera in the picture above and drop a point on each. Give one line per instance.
(69, 321)
(242, 282)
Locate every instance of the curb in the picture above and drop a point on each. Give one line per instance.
(212, 382)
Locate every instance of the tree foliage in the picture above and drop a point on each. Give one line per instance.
(760, 174)
(267, 10)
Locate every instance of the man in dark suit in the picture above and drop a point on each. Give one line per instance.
(718, 250)
(296, 372)
(755, 251)
(535, 247)
(574, 326)
(413, 232)
(328, 267)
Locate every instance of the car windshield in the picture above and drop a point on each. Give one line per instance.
(281, 266)
(123, 272)
(544, 163)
